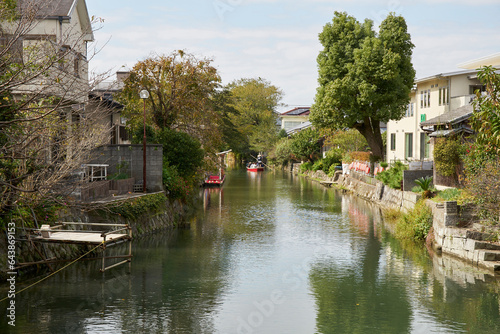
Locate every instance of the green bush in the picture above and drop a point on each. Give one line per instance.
(447, 156)
(317, 165)
(333, 157)
(332, 170)
(393, 176)
(415, 224)
(182, 151)
(306, 166)
(452, 194)
(282, 151)
(174, 183)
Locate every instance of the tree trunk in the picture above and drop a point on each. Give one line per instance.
(370, 129)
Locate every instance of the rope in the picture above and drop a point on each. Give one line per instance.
(55, 272)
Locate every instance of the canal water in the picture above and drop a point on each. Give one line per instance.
(268, 253)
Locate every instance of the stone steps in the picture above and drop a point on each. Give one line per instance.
(488, 252)
(486, 245)
(489, 255)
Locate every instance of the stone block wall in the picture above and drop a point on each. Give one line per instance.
(130, 159)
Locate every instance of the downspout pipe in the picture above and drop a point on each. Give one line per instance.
(60, 19)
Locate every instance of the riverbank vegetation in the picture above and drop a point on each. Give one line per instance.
(414, 224)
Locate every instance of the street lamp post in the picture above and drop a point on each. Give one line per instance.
(144, 94)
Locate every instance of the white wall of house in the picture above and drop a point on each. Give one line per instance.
(431, 97)
(290, 121)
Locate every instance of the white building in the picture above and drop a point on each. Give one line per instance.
(294, 118)
(431, 97)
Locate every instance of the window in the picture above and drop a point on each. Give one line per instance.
(393, 141)
(444, 96)
(421, 99)
(409, 110)
(408, 145)
(287, 125)
(424, 146)
(474, 88)
(428, 97)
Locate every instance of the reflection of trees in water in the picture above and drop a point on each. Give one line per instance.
(355, 299)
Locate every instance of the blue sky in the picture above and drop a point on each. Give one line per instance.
(278, 40)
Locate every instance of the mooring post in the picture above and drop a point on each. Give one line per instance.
(103, 254)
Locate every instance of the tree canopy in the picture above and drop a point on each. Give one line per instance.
(364, 78)
(181, 87)
(255, 101)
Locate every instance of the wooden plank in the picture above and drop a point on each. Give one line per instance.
(81, 237)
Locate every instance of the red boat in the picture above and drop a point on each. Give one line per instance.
(214, 180)
(217, 180)
(256, 166)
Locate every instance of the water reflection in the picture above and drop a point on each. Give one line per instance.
(268, 253)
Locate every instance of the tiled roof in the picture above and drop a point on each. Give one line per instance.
(50, 8)
(452, 117)
(300, 111)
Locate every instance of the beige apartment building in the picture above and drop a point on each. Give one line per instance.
(431, 97)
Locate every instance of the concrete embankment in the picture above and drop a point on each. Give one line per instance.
(472, 243)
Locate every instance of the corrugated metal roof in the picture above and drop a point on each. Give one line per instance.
(452, 117)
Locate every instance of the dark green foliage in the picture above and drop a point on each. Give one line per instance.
(138, 134)
(424, 182)
(306, 166)
(318, 164)
(174, 183)
(447, 156)
(181, 151)
(364, 79)
(393, 176)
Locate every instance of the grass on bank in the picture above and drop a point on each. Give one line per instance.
(412, 225)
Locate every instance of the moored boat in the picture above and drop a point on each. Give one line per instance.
(217, 180)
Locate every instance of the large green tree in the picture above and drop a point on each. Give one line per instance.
(255, 101)
(364, 78)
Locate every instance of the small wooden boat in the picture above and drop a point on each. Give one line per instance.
(217, 180)
(214, 180)
(256, 166)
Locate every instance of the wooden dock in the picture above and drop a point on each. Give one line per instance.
(56, 234)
